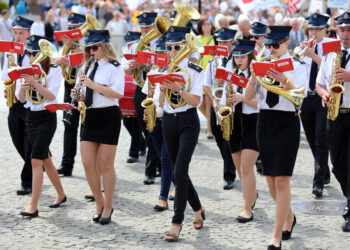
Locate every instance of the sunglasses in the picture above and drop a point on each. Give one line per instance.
(275, 46)
(94, 48)
(256, 37)
(31, 53)
(176, 47)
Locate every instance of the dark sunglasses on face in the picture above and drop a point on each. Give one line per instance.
(176, 47)
(256, 37)
(34, 53)
(275, 46)
(94, 48)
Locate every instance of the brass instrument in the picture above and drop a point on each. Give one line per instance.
(192, 44)
(149, 115)
(10, 86)
(161, 26)
(47, 49)
(184, 14)
(90, 24)
(299, 51)
(336, 90)
(225, 113)
(261, 53)
(217, 90)
(296, 96)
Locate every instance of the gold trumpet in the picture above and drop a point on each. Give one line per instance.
(10, 86)
(47, 49)
(161, 26)
(296, 96)
(225, 113)
(336, 90)
(90, 24)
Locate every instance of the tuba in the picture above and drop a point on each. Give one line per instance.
(225, 114)
(90, 24)
(336, 90)
(161, 26)
(47, 49)
(10, 86)
(192, 44)
(296, 96)
(184, 14)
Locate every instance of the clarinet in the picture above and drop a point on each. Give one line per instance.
(69, 113)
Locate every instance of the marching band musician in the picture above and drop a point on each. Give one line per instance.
(224, 37)
(157, 135)
(75, 20)
(243, 143)
(41, 126)
(146, 23)
(338, 131)
(18, 113)
(278, 123)
(102, 87)
(181, 130)
(257, 34)
(138, 143)
(313, 114)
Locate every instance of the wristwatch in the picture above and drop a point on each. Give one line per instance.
(181, 90)
(74, 46)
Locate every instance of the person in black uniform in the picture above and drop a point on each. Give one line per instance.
(75, 20)
(103, 86)
(224, 37)
(18, 112)
(138, 143)
(146, 22)
(41, 125)
(338, 130)
(181, 130)
(313, 114)
(277, 124)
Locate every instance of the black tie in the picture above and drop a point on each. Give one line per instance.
(344, 61)
(238, 107)
(224, 61)
(20, 60)
(272, 98)
(313, 75)
(89, 92)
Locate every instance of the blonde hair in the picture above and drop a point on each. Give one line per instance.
(108, 52)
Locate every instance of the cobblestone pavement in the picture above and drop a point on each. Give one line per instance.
(137, 226)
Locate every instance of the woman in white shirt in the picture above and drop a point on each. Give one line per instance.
(41, 125)
(243, 144)
(181, 130)
(103, 86)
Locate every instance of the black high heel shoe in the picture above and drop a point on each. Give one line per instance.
(30, 215)
(287, 234)
(105, 221)
(273, 247)
(56, 205)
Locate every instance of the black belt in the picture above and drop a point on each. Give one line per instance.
(184, 113)
(311, 92)
(344, 110)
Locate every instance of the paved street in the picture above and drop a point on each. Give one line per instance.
(137, 226)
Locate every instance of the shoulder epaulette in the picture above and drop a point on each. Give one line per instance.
(115, 63)
(196, 67)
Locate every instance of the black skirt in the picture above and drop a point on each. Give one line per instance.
(278, 135)
(244, 133)
(41, 127)
(102, 125)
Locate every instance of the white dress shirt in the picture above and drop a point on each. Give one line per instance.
(298, 78)
(209, 75)
(108, 75)
(197, 80)
(324, 76)
(54, 79)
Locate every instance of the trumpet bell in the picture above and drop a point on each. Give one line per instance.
(48, 48)
(184, 14)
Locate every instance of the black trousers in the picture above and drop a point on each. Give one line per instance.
(138, 142)
(314, 119)
(19, 135)
(338, 137)
(152, 159)
(224, 147)
(180, 132)
(70, 131)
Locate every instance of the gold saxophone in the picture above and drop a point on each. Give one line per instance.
(336, 90)
(296, 96)
(149, 114)
(217, 90)
(90, 24)
(10, 86)
(225, 113)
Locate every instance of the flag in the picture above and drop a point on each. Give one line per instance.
(294, 5)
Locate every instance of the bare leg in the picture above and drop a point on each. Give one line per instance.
(237, 161)
(88, 155)
(105, 161)
(54, 178)
(37, 166)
